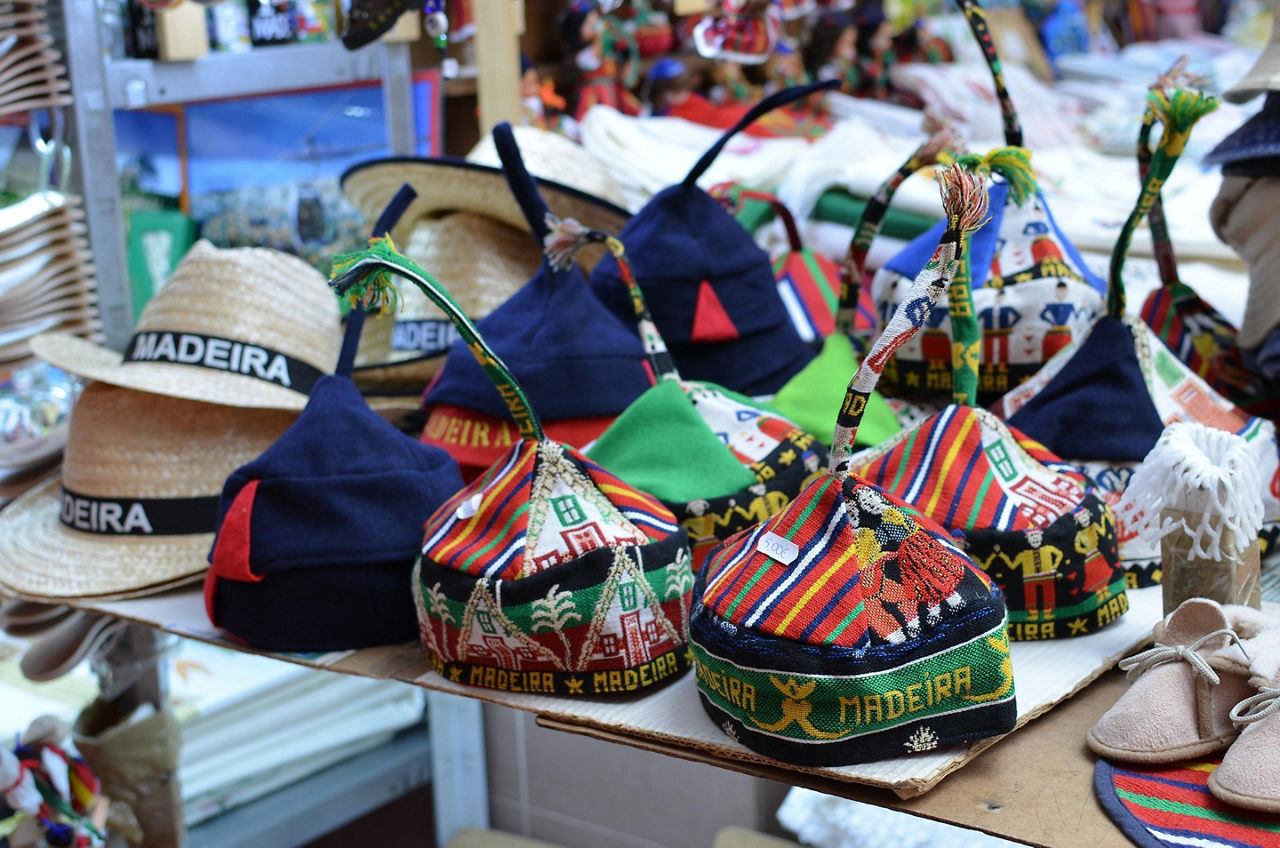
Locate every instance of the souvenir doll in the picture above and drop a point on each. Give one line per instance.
(832, 47)
(869, 76)
(540, 106)
(594, 42)
(667, 86)
(785, 68)
(730, 85)
(743, 31)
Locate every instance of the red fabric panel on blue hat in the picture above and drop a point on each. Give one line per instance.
(711, 323)
(232, 547)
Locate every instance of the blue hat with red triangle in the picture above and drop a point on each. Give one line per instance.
(711, 290)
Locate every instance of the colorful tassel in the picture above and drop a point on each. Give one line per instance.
(375, 291)
(565, 237)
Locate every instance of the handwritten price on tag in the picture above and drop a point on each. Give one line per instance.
(783, 550)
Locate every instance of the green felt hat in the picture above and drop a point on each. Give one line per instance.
(812, 397)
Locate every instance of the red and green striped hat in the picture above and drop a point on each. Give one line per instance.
(849, 627)
(718, 460)
(547, 573)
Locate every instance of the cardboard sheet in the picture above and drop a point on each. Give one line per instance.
(671, 719)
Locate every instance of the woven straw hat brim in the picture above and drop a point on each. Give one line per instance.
(451, 185)
(55, 228)
(52, 283)
(42, 558)
(59, 287)
(37, 223)
(546, 153)
(19, 353)
(86, 359)
(411, 374)
(73, 308)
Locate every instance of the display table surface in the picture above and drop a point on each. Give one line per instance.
(1033, 785)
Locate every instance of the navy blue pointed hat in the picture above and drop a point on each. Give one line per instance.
(710, 288)
(315, 546)
(574, 358)
(1254, 148)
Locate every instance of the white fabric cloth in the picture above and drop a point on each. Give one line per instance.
(645, 155)
(825, 821)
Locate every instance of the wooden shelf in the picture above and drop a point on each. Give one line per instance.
(1002, 788)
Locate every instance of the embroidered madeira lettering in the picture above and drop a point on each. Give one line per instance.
(892, 704)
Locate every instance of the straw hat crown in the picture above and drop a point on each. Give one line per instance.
(249, 327)
(127, 443)
(136, 506)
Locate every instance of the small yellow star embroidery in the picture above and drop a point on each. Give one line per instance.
(688, 655)
(1078, 626)
(913, 379)
(575, 685)
(455, 674)
(787, 457)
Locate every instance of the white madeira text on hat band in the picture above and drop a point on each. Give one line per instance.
(127, 516)
(222, 354)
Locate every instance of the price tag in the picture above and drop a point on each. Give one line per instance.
(774, 546)
(469, 507)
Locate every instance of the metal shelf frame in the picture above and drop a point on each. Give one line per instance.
(101, 85)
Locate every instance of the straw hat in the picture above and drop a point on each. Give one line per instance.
(136, 505)
(548, 154)
(249, 327)
(483, 262)
(1265, 75)
(449, 185)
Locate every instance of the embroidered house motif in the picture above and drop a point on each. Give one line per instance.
(550, 575)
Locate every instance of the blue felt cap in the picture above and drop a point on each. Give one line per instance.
(1102, 382)
(573, 357)
(710, 289)
(316, 543)
(1256, 138)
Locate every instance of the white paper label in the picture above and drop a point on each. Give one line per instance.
(783, 550)
(469, 507)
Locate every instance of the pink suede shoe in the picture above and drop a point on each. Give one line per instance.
(1183, 691)
(1250, 772)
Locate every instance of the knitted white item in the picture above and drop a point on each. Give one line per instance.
(1208, 479)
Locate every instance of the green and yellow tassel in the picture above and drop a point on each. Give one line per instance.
(373, 286)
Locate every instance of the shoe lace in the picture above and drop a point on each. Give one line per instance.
(1139, 663)
(1261, 705)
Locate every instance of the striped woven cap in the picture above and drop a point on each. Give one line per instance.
(547, 573)
(1171, 806)
(1035, 525)
(849, 627)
